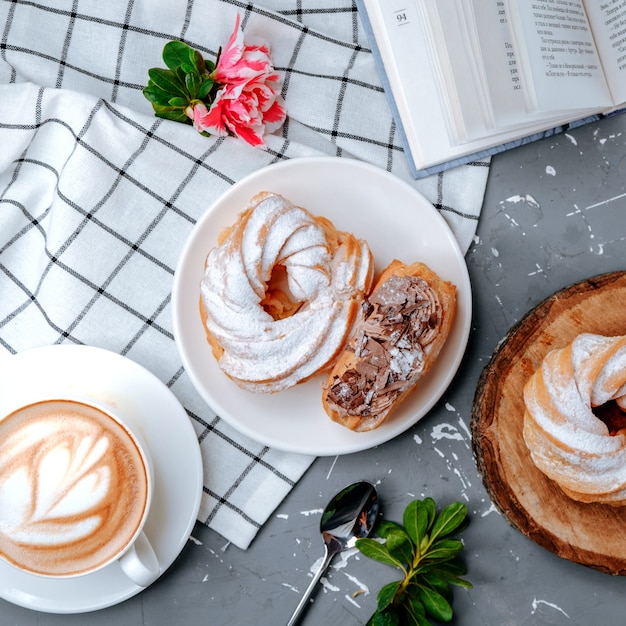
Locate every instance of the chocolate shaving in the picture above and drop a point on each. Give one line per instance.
(401, 318)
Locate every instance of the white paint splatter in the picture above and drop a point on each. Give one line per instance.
(313, 569)
(449, 407)
(536, 603)
(341, 560)
(495, 252)
(352, 600)
(282, 516)
(576, 211)
(491, 509)
(572, 139)
(311, 512)
(550, 170)
(327, 586)
(417, 439)
(464, 427)
(358, 584)
(332, 467)
(464, 481)
(527, 198)
(291, 587)
(531, 201)
(194, 540)
(446, 431)
(607, 201)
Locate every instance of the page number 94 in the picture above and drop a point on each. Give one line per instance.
(402, 18)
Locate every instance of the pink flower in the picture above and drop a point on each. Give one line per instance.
(248, 112)
(240, 63)
(248, 105)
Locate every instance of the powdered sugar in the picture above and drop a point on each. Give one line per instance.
(566, 439)
(266, 354)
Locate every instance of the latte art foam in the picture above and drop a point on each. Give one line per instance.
(73, 488)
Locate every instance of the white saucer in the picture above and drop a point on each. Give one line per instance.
(397, 222)
(155, 412)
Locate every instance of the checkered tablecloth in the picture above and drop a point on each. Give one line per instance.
(97, 196)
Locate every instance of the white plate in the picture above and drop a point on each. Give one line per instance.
(397, 222)
(150, 407)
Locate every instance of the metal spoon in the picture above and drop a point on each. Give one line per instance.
(349, 516)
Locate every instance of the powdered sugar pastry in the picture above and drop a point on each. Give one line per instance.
(281, 292)
(566, 440)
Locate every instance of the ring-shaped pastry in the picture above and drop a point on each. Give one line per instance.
(567, 440)
(280, 294)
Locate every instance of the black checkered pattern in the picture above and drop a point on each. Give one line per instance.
(97, 196)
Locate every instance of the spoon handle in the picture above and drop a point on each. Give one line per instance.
(328, 555)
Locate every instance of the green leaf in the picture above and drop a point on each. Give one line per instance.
(156, 95)
(414, 609)
(435, 604)
(450, 568)
(409, 618)
(437, 582)
(179, 103)
(168, 113)
(444, 549)
(167, 81)
(384, 527)
(388, 617)
(182, 78)
(176, 54)
(200, 63)
(440, 580)
(188, 69)
(431, 509)
(205, 89)
(417, 518)
(377, 551)
(399, 545)
(449, 520)
(193, 82)
(387, 594)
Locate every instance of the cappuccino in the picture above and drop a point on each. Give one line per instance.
(73, 488)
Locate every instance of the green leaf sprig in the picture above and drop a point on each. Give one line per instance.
(427, 554)
(187, 81)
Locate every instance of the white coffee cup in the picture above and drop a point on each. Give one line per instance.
(76, 485)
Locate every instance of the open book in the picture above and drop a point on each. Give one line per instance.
(470, 78)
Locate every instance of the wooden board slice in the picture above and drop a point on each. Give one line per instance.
(590, 534)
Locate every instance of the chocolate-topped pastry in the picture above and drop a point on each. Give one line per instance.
(405, 322)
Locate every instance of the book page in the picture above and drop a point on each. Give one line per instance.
(456, 70)
(401, 48)
(488, 27)
(558, 55)
(608, 21)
